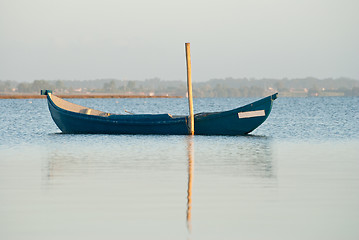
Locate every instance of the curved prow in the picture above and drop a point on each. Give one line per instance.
(45, 92)
(274, 96)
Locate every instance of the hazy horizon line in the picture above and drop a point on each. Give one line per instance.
(184, 80)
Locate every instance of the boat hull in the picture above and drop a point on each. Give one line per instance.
(239, 121)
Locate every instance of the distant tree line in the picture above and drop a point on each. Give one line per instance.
(228, 87)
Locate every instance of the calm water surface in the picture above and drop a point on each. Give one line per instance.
(295, 177)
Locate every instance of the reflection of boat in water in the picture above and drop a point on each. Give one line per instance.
(247, 156)
(73, 118)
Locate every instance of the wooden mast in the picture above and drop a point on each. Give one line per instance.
(189, 88)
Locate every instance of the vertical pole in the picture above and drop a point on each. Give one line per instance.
(189, 88)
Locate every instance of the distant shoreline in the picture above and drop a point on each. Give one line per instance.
(104, 95)
(35, 96)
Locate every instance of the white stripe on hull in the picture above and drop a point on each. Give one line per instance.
(250, 114)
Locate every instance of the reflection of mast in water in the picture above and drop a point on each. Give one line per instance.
(190, 178)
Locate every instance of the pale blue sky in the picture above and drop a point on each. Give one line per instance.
(139, 39)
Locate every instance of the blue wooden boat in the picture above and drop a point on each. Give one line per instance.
(73, 118)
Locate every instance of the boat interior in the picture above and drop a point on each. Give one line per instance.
(72, 107)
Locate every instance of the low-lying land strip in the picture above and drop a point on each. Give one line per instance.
(33, 96)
